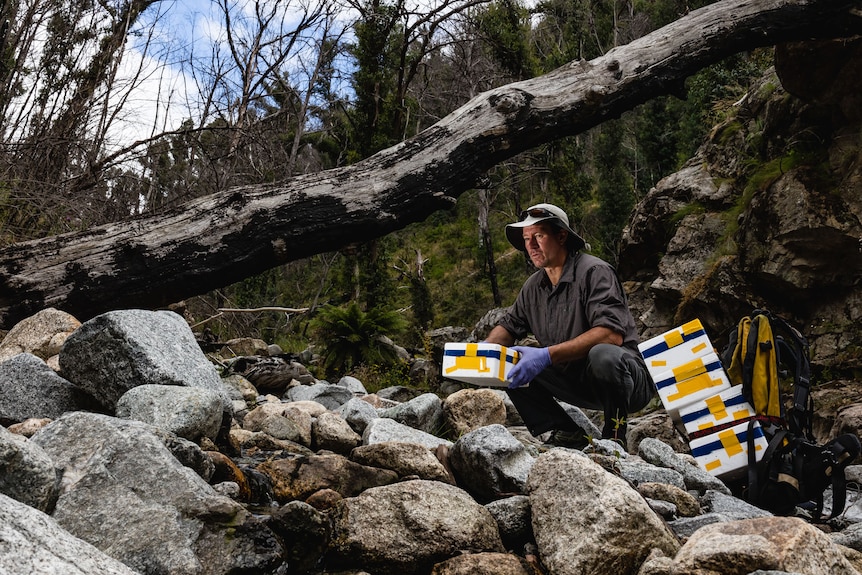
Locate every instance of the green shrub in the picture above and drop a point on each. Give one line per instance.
(351, 337)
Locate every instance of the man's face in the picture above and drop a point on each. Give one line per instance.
(545, 247)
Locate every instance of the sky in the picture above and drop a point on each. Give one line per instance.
(172, 34)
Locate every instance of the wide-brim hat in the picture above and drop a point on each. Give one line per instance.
(542, 213)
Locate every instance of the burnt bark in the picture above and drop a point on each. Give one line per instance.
(220, 239)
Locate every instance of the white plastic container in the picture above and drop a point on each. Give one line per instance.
(483, 364)
(725, 454)
(691, 382)
(719, 409)
(675, 347)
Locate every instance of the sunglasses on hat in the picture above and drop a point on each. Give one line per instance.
(538, 213)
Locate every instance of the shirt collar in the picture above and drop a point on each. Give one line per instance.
(568, 274)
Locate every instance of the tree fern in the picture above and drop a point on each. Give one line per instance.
(351, 337)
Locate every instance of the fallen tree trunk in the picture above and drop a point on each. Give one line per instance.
(220, 239)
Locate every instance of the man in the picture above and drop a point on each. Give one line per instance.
(577, 310)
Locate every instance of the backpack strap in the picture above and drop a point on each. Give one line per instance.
(759, 470)
(844, 450)
(792, 351)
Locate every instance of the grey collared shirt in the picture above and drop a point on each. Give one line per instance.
(588, 295)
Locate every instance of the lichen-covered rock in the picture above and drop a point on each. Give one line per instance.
(469, 409)
(34, 543)
(785, 544)
(27, 474)
(116, 351)
(407, 527)
(299, 477)
(587, 520)
(42, 334)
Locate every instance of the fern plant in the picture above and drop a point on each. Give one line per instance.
(350, 337)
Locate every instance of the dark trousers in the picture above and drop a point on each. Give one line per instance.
(613, 380)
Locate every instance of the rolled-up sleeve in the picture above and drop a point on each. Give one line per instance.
(606, 304)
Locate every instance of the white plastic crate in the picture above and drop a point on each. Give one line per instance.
(485, 364)
(675, 347)
(691, 382)
(719, 409)
(724, 454)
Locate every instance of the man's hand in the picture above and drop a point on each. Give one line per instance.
(531, 362)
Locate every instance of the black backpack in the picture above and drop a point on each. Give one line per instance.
(794, 470)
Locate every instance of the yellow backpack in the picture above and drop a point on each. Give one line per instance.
(760, 349)
(793, 471)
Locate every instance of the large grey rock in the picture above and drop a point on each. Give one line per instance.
(405, 459)
(329, 431)
(768, 543)
(489, 462)
(188, 412)
(354, 385)
(26, 472)
(32, 543)
(384, 429)
(731, 507)
(661, 454)
(124, 492)
(358, 414)
(407, 527)
(298, 478)
(587, 520)
(41, 334)
(637, 471)
(281, 421)
(513, 520)
(424, 413)
(31, 389)
(116, 351)
(329, 395)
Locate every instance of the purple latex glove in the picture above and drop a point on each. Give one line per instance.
(531, 362)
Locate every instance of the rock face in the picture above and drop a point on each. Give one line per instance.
(768, 214)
